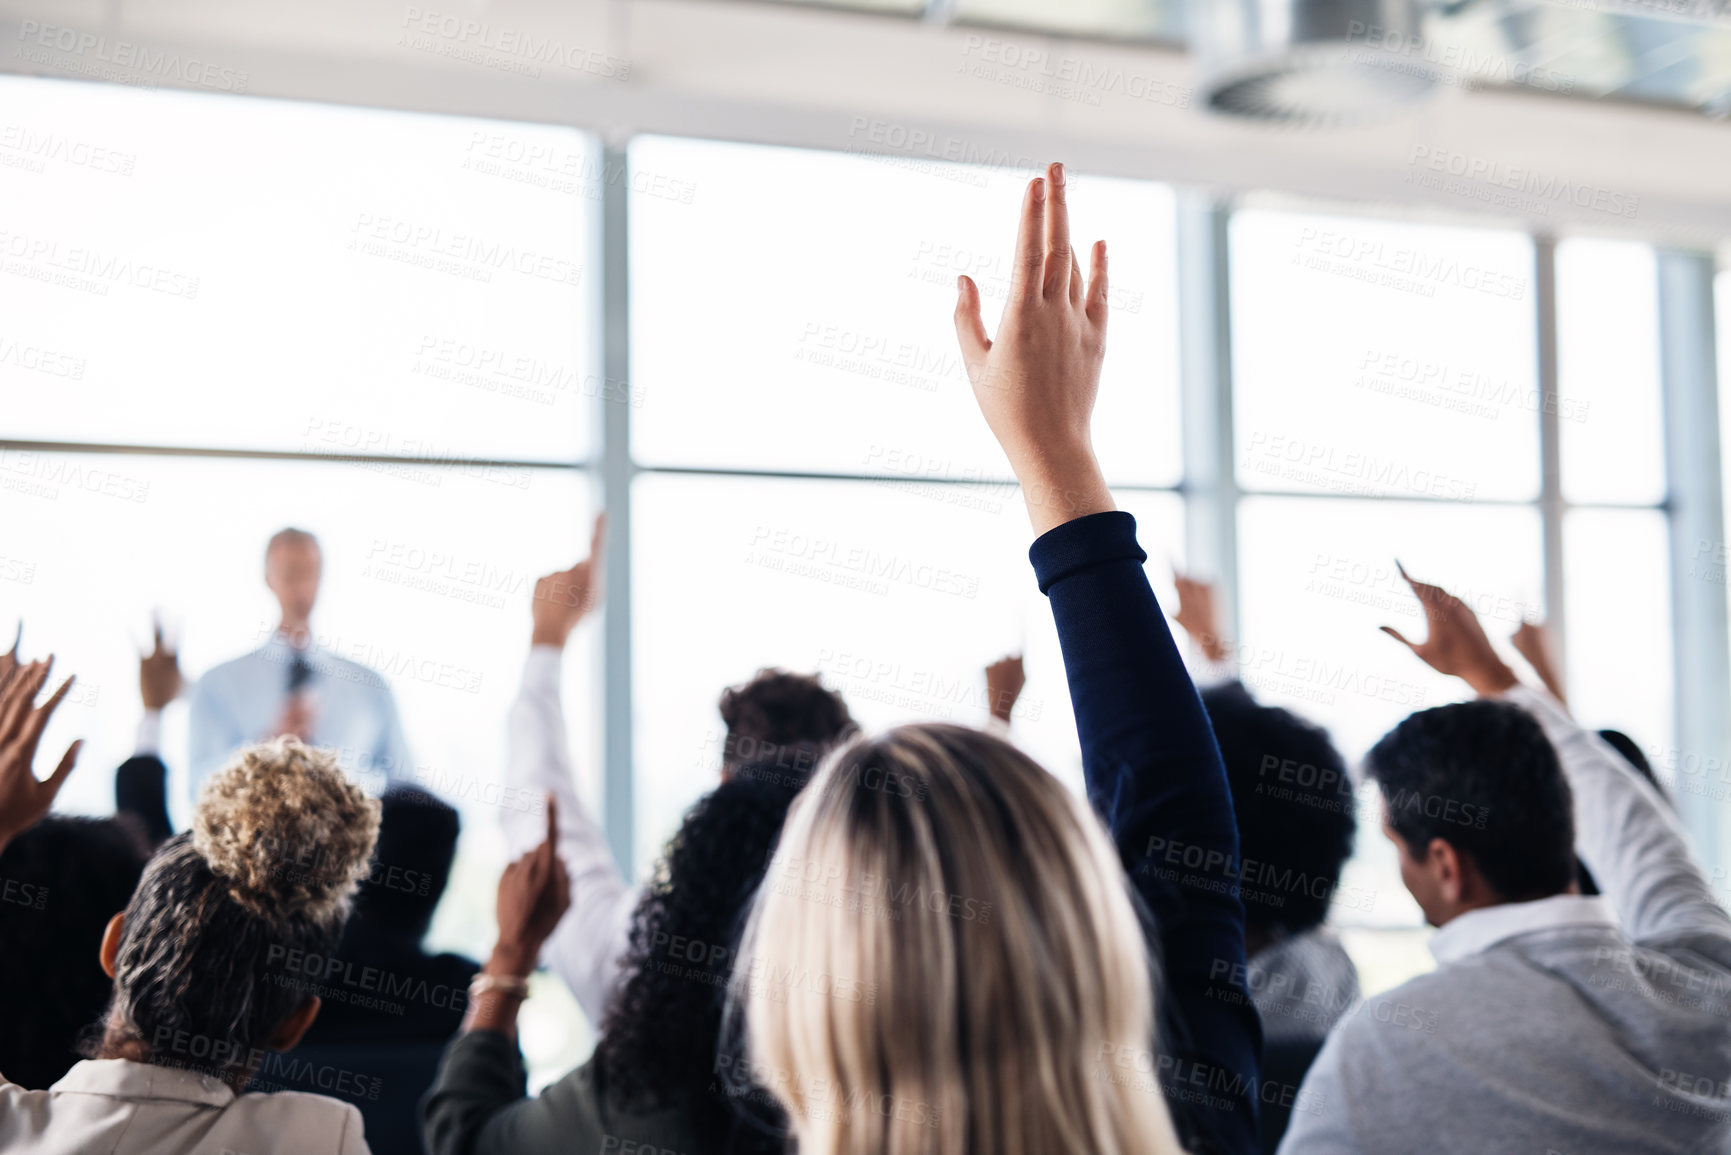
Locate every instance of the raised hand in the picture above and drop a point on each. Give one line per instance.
(534, 893)
(1036, 382)
(23, 798)
(1199, 615)
(1004, 681)
(1457, 644)
(1535, 642)
(159, 678)
(563, 598)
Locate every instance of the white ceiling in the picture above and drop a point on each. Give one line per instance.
(829, 79)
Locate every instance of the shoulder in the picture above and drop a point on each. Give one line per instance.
(344, 670)
(320, 1121)
(225, 673)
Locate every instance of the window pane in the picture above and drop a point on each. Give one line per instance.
(1618, 604)
(1608, 367)
(839, 354)
(1382, 358)
(435, 596)
(1318, 580)
(898, 595)
(195, 270)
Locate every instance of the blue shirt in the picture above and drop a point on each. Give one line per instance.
(239, 702)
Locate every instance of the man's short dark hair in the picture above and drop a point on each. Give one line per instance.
(1482, 777)
(779, 713)
(1294, 802)
(62, 880)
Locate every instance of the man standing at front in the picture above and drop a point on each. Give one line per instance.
(292, 686)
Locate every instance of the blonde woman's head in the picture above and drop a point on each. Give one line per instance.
(943, 956)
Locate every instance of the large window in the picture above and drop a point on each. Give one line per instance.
(219, 316)
(1389, 412)
(837, 358)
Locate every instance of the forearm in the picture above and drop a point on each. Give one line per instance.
(1625, 833)
(1154, 772)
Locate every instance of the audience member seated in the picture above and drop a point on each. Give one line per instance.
(1553, 1022)
(775, 722)
(1296, 811)
(652, 1080)
(1006, 1005)
(60, 883)
(202, 999)
(389, 1007)
(1297, 816)
(60, 880)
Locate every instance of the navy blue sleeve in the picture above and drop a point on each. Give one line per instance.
(1155, 776)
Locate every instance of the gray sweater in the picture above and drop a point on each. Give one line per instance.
(1566, 1026)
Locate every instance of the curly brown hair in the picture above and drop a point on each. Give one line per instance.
(214, 947)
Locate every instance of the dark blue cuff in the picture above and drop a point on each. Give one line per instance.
(1086, 541)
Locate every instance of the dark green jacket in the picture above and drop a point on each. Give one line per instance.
(477, 1107)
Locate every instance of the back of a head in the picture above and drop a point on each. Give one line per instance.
(63, 879)
(943, 950)
(1483, 777)
(411, 863)
(1294, 804)
(205, 970)
(777, 718)
(663, 1028)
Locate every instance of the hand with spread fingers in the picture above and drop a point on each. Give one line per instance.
(563, 598)
(24, 798)
(1456, 644)
(1036, 381)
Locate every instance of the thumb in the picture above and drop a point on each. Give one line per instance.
(1399, 637)
(970, 329)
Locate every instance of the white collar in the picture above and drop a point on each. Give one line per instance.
(1478, 930)
(126, 1079)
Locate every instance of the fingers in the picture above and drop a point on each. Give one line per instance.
(552, 823)
(156, 633)
(1096, 306)
(58, 779)
(1030, 243)
(19, 695)
(598, 537)
(1399, 637)
(39, 720)
(1059, 259)
(970, 329)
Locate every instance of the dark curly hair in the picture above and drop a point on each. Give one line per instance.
(1483, 777)
(663, 1028)
(777, 717)
(61, 881)
(1294, 802)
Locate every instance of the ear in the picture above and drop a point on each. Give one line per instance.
(1445, 865)
(109, 951)
(288, 1032)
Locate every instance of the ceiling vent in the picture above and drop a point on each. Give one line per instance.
(1312, 62)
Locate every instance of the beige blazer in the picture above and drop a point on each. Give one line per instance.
(119, 1107)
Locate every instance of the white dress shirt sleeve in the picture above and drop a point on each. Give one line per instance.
(149, 741)
(585, 948)
(1626, 834)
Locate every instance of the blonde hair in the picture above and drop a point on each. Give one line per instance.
(944, 959)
